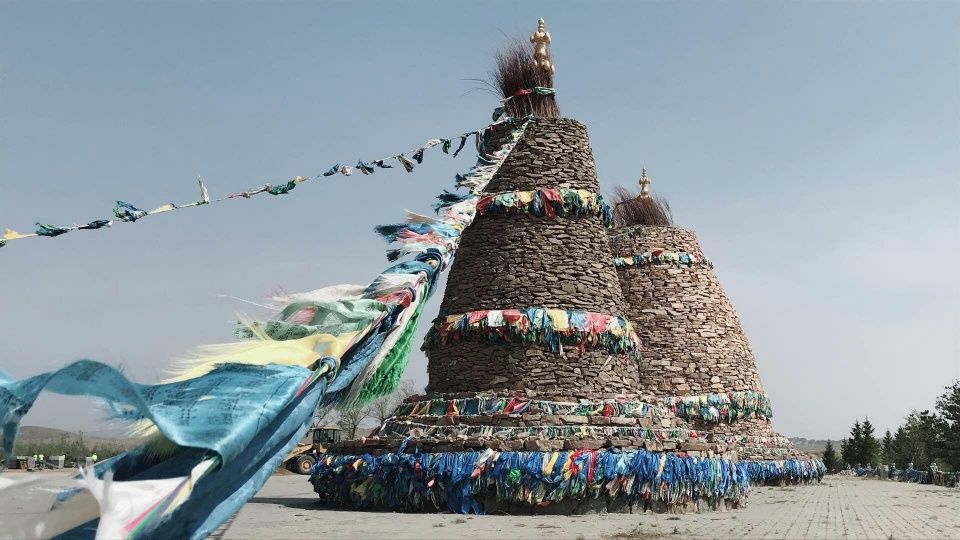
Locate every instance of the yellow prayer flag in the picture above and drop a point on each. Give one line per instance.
(559, 319)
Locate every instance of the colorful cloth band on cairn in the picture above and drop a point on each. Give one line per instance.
(755, 440)
(790, 470)
(402, 428)
(486, 405)
(662, 256)
(554, 328)
(765, 452)
(550, 202)
(460, 481)
(720, 407)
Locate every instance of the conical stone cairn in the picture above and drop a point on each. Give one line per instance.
(535, 382)
(697, 360)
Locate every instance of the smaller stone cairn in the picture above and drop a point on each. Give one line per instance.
(693, 340)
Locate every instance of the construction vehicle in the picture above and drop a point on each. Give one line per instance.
(301, 459)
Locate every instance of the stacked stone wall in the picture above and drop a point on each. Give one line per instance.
(515, 261)
(554, 153)
(693, 341)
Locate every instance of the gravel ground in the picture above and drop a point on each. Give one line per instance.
(841, 507)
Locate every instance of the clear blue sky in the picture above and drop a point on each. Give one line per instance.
(813, 146)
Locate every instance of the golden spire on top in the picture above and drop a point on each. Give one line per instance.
(644, 184)
(540, 40)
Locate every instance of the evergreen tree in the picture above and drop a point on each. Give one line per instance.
(853, 447)
(916, 440)
(900, 448)
(869, 451)
(948, 436)
(887, 448)
(845, 455)
(830, 457)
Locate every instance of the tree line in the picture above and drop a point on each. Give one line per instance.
(72, 446)
(924, 438)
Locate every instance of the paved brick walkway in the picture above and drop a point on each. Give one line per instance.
(841, 507)
(838, 508)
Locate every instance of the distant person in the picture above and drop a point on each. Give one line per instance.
(94, 456)
(41, 462)
(36, 459)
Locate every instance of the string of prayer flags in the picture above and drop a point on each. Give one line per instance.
(549, 202)
(662, 256)
(455, 213)
(551, 327)
(489, 405)
(202, 476)
(402, 428)
(126, 212)
(716, 407)
(50, 230)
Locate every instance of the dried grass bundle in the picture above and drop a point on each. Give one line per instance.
(629, 209)
(515, 71)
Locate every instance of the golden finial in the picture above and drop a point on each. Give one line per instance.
(644, 184)
(540, 40)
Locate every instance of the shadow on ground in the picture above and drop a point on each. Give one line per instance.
(303, 503)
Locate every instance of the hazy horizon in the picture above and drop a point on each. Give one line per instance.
(814, 148)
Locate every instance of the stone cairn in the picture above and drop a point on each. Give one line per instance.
(534, 380)
(697, 360)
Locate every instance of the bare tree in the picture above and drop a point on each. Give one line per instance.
(383, 408)
(324, 416)
(350, 420)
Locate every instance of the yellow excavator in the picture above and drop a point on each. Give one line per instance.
(301, 459)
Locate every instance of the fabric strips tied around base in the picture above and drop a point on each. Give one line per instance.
(662, 256)
(217, 430)
(790, 470)
(553, 328)
(724, 407)
(551, 202)
(463, 482)
(935, 477)
(486, 405)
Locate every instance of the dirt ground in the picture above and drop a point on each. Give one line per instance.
(841, 507)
